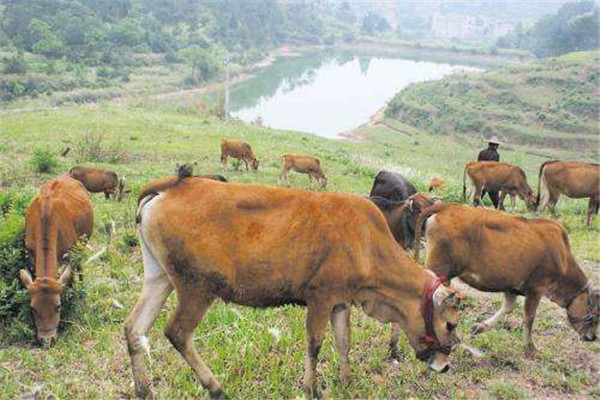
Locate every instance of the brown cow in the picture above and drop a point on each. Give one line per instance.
(261, 246)
(59, 216)
(304, 165)
(496, 176)
(436, 184)
(98, 180)
(239, 150)
(495, 252)
(573, 179)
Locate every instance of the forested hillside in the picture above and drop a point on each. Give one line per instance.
(95, 43)
(551, 103)
(574, 27)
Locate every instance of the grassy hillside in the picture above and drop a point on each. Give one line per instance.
(143, 142)
(553, 103)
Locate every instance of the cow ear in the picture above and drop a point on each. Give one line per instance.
(409, 203)
(26, 278)
(65, 276)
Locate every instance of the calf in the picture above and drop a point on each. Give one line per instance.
(239, 150)
(276, 246)
(304, 165)
(495, 252)
(392, 186)
(496, 176)
(98, 180)
(573, 179)
(59, 216)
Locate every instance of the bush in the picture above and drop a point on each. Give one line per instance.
(44, 160)
(15, 64)
(16, 322)
(92, 147)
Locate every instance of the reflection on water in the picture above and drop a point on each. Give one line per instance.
(328, 95)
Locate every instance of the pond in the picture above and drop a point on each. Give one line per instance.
(327, 95)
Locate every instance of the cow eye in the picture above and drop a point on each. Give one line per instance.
(450, 326)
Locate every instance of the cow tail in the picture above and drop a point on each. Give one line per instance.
(426, 213)
(465, 184)
(539, 191)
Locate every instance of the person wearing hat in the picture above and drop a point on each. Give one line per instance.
(491, 154)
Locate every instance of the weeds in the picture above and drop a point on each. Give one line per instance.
(44, 160)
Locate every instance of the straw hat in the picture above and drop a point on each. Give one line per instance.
(494, 140)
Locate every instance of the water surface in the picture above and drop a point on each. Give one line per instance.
(328, 95)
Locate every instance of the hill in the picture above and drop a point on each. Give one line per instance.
(553, 103)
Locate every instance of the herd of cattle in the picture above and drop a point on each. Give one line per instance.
(262, 246)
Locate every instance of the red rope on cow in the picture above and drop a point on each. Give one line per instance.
(430, 287)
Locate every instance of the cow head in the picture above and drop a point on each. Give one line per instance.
(254, 164)
(45, 303)
(323, 182)
(440, 315)
(416, 204)
(584, 313)
(121, 189)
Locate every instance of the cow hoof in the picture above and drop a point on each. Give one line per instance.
(478, 328)
(531, 351)
(218, 395)
(394, 355)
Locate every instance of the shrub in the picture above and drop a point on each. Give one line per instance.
(91, 147)
(44, 160)
(15, 64)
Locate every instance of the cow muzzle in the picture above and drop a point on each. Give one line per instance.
(438, 362)
(47, 338)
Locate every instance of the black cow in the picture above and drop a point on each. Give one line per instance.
(392, 186)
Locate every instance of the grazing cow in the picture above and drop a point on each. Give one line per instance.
(496, 176)
(261, 246)
(392, 186)
(304, 165)
(435, 183)
(98, 180)
(573, 179)
(59, 216)
(495, 252)
(239, 150)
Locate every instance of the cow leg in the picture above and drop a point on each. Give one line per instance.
(155, 291)
(593, 205)
(508, 306)
(494, 196)
(393, 346)
(500, 205)
(180, 332)
(310, 181)
(284, 175)
(340, 323)
(316, 322)
(106, 195)
(477, 196)
(531, 304)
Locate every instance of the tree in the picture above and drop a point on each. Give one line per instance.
(373, 24)
(43, 40)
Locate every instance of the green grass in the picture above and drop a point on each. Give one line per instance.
(91, 360)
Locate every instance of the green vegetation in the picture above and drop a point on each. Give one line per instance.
(89, 44)
(574, 27)
(43, 160)
(259, 353)
(553, 103)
